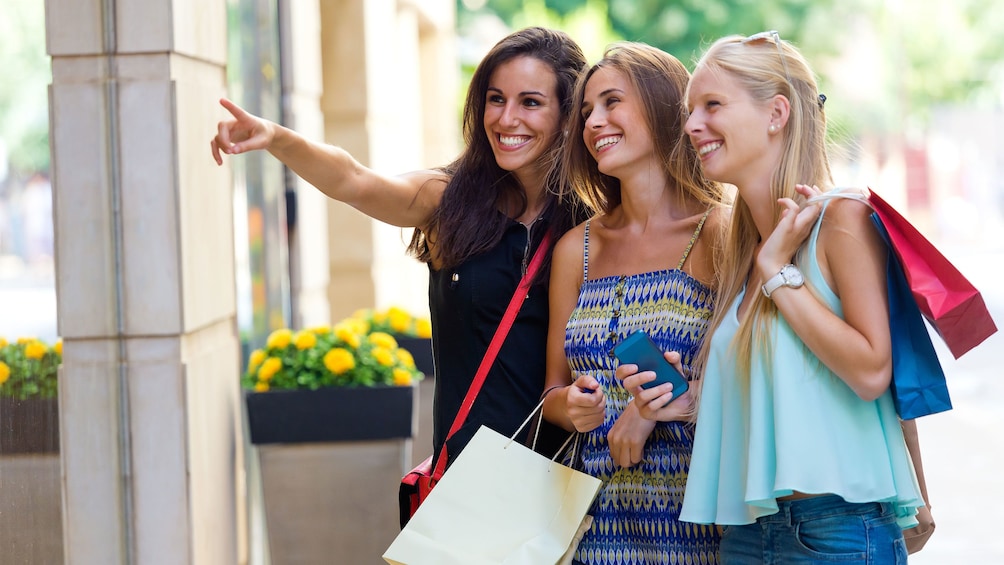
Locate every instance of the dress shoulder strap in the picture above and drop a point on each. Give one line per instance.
(693, 238)
(585, 253)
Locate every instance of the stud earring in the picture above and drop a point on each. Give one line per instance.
(772, 128)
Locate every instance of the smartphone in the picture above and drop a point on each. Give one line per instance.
(639, 349)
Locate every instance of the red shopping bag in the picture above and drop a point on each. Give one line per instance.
(946, 298)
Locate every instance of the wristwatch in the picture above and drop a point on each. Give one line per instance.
(789, 276)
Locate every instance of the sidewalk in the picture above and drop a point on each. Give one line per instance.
(963, 449)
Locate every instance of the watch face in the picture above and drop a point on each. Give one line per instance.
(792, 276)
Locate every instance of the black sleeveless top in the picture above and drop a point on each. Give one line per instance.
(466, 305)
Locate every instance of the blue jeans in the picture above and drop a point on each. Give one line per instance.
(820, 529)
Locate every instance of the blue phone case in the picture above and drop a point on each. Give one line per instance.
(639, 349)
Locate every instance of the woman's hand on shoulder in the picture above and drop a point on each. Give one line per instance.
(852, 260)
(793, 227)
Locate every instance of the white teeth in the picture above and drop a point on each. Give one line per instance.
(609, 140)
(513, 140)
(705, 149)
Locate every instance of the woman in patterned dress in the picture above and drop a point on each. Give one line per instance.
(643, 263)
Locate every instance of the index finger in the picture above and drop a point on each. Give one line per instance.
(235, 110)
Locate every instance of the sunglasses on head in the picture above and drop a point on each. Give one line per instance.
(774, 37)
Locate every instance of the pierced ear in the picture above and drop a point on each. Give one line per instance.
(780, 109)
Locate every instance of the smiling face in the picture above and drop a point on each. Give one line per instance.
(615, 130)
(522, 116)
(730, 130)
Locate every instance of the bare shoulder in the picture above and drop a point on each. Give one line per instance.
(571, 243)
(848, 210)
(847, 231)
(718, 221)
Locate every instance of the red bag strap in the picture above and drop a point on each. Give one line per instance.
(493, 349)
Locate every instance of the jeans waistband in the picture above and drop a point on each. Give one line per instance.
(792, 511)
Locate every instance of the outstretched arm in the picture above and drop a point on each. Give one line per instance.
(407, 200)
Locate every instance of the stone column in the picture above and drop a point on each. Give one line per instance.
(390, 99)
(145, 283)
(301, 99)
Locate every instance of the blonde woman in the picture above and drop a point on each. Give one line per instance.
(799, 452)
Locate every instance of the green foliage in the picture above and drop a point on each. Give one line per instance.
(883, 64)
(681, 28)
(29, 368)
(24, 108)
(350, 353)
(945, 52)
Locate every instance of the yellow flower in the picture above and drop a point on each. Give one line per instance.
(255, 359)
(402, 377)
(423, 328)
(4, 372)
(34, 350)
(305, 340)
(399, 320)
(269, 368)
(339, 360)
(25, 340)
(279, 339)
(3, 342)
(358, 325)
(404, 356)
(347, 333)
(58, 347)
(379, 317)
(384, 340)
(261, 387)
(383, 356)
(321, 330)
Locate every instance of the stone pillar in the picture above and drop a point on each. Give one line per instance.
(301, 100)
(390, 92)
(145, 284)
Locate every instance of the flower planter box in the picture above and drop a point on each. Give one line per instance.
(330, 463)
(29, 426)
(421, 349)
(31, 527)
(331, 414)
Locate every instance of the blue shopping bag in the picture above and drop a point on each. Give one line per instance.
(918, 380)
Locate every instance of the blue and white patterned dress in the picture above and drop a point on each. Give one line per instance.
(636, 514)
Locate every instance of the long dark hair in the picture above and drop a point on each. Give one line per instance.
(468, 221)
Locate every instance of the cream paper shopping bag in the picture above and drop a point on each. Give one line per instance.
(499, 502)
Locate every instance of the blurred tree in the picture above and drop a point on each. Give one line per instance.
(945, 52)
(685, 27)
(904, 56)
(24, 109)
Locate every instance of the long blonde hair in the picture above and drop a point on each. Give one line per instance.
(765, 67)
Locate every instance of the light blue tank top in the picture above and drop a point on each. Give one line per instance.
(795, 426)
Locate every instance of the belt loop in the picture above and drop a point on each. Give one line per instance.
(788, 514)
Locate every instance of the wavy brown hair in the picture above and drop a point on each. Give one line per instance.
(660, 81)
(468, 222)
